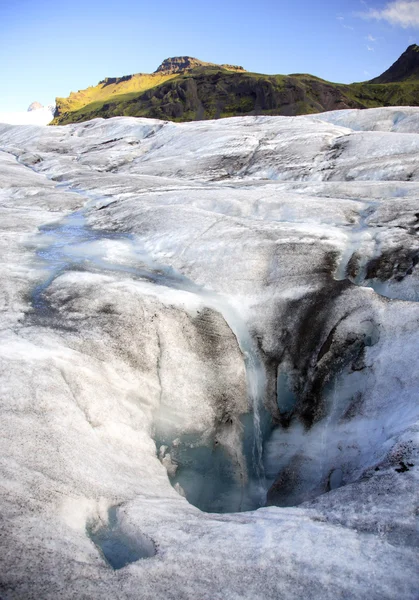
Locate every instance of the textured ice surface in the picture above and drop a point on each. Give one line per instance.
(210, 313)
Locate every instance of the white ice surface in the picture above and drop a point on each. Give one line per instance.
(217, 252)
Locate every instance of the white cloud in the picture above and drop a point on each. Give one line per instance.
(404, 13)
(371, 38)
(370, 49)
(341, 21)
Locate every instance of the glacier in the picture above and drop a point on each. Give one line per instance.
(209, 347)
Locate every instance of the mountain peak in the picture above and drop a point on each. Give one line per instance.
(183, 64)
(35, 106)
(406, 68)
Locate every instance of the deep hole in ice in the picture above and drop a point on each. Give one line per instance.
(335, 479)
(206, 475)
(117, 547)
(205, 472)
(200, 469)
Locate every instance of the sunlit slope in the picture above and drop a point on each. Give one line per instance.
(112, 93)
(109, 88)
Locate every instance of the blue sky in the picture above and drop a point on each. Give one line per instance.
(49, 48)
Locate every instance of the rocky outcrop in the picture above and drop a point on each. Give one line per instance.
(179, 64)
(115, 80)
(184, 64)
(233, 68)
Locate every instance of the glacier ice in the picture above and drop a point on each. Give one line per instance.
(208, 357)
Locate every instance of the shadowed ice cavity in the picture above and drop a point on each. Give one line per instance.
(336, 450)
(286, 399)
(117, 547)
(208, 477)
(204, 474)
(71, 245)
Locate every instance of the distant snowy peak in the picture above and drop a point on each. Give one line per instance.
(38, 106)
(35, 106)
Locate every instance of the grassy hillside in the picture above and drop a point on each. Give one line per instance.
(111, 87)
(211, 91)
(390, 94)
(205, 92)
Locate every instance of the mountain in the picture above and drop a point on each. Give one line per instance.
(406, 68)
(186, 89)
(35, 106)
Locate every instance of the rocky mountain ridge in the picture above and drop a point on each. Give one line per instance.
(187, 89)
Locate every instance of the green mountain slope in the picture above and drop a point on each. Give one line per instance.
(185, 89)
